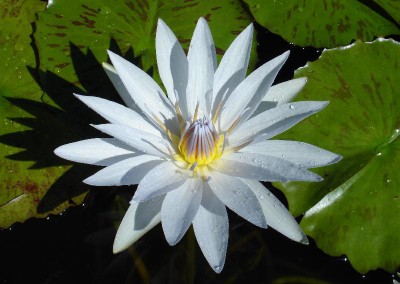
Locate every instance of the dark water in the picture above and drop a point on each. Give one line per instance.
(76, 247)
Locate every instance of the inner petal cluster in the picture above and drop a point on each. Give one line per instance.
(200, 143)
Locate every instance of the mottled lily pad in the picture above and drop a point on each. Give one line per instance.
(131, 25)
(355, 210)
(328, 23)
(24, 177)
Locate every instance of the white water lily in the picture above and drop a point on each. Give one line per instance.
(203, 148)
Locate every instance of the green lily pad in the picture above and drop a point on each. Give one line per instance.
(392, 7)
(329, 23)
(24, 178)
(355, 210)
(131, 25)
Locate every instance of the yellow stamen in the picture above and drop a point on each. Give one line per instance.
(200, 143)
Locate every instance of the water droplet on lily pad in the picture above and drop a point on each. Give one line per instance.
(105, 11)
(18, 47)
(16, 124)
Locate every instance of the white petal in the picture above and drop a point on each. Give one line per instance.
(249, 93)
(261, 167)
(96, 151)
(145, 92)
(211, 228)
(143, 141)
(274, 121)
(238, 197)
(233, 66)
(138, 220)
(280, 94)
(201, 59)
(127, 172)
(179, 208)
(119, 86)
(286, 91)
(118, 114)
(172, 63)
(277, 216)
(300, 153)
(161, 179)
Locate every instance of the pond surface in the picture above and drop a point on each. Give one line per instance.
(76, 247)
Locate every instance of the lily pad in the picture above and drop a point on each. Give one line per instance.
(355, 210)
(392, 7)
(23, 181)
(328, 23)
(131, 24)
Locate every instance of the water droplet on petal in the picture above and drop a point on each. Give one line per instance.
(292, 107)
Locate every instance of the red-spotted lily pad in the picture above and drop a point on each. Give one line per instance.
(124, 24)
(327, 23)
(25, 176)
(355, 210)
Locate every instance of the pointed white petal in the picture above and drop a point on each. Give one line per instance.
(277, 216)
(274, 121)
(249, 93)
(172, 63)
(280, 94)
(299, 153)
(261, 167)
(233, 66)
(143, 141)
(238, 197)
(145, 92)
(211, 228)
(179, 208)
(161, 179)
(201, 59)
(286, 91)
(127, 172)
(96, 151)
(138, 220)
(118, 114)
(119, 86)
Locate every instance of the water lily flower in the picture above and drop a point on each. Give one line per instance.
(204, 147)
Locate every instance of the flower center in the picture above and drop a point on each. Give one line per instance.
(200, 143)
